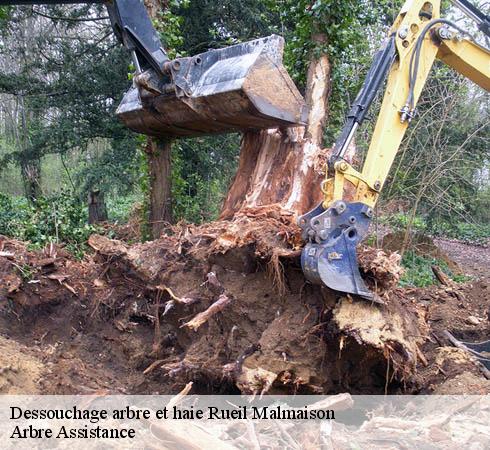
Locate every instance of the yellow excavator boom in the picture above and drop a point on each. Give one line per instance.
(417, 38)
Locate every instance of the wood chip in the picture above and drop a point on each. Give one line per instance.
(472, 320)
(72, 290)
(174, 401)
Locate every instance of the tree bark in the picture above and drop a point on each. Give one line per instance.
(31, 178)
(160, 214)
(159, 162)
(30, 164)
(285, 166)
(97, 211)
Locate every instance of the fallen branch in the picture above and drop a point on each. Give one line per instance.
(441, 276)
(152, 366)
(220, 304)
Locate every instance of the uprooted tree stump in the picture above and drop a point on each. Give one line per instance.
(231, 298)
(225, 304)
(232, 295)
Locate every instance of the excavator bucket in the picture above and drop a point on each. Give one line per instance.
(236, 88)
(330, 256)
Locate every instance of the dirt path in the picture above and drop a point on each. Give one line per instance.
(473, 260)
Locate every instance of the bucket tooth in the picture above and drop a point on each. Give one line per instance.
(241, 87)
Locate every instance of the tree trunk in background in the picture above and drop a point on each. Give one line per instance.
(159, 162)
(285, 166)
(31, 177)
(97, 211)
(30, 165)
(159, 152)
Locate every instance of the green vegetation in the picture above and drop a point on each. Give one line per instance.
(400, 221)
(418, 270)
(471, 233)
(60, 218)
(468, 232)
(61, 80)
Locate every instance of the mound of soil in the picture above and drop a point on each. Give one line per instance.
(224, 305)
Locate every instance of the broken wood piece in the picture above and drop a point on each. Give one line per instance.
(61, 280)
(153, 366)
(339, 402)
(7, 254)
(174, 401)
(441, 276)
(220, 304)
(183, 300)
(67, 286)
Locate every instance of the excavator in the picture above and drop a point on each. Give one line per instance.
(245, 86)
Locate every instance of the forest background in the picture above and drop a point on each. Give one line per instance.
(62, 75)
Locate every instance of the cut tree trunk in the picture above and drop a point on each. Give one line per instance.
(285, 166)
(159, 162)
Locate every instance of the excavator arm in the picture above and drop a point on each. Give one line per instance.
(335, 227)
(236, 88)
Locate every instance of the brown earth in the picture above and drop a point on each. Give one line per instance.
(225, 305)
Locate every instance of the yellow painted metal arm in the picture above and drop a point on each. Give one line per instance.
(389, 130)
(466, 57)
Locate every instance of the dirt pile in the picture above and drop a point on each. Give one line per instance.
(224, 305)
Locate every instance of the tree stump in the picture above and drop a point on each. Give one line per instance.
(285, 166)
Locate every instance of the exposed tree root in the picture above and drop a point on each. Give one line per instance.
(226, 306)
